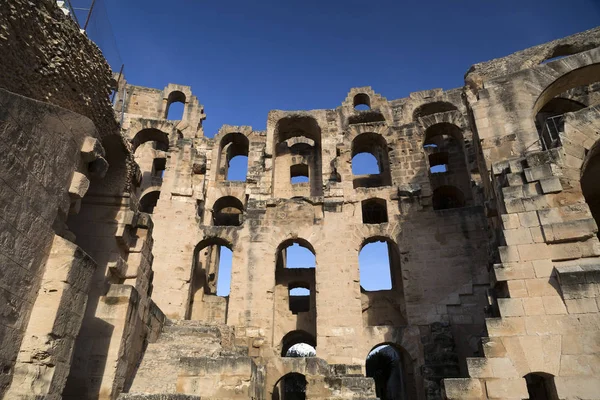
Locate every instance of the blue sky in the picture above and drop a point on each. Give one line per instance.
(245, 58)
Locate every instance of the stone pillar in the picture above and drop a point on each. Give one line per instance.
(44, 359)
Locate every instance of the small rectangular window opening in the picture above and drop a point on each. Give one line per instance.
(299, 173)
(158, 167)
(374, 211)
(299, 300)
(438, 162)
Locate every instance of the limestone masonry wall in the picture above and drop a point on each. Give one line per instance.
(114, 224)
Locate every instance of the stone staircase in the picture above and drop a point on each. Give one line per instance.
(348, 382)
(465, 305)
(192, 357)
(192, 360)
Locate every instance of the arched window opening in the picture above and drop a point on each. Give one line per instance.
(362, 102)
(391, 370)
(580, 77)
(298, 126)
(299, 337)
(237, 169)
(381, 284)
(374, 211)
(549, 120)
(151, 135)
(299, 297)
(151, 160)
(299, 173)
(148, 201)
(438, 162)
(175, 106)
(433, 108)
(233, 157)
(296, 254)
(589, 182)
(370, 154)
(211, 281)
(294, 291)
(443, 146)
(297, 140)
(375, 267)
(446, 197)
(228, 211)
(540, 386)
(290, 387)
(365, 164)
(443, 135)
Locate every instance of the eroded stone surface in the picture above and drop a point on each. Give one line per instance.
(110, 267)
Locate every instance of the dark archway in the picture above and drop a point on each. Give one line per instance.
(361, 102)
(228, 211)
(551, 102)
(590, 185)
(540, 386)
(549, 120)
(291, 386)
(392, 369)
(578, 77)
(151, 135)
(433, 108)
(148, 201)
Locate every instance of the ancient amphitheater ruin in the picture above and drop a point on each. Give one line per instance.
(113, 220)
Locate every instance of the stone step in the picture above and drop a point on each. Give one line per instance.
(192, 332)
(345, 370)
(161, 396)
(170, 332)
(353, 398)
(189, 322)
(177, 350)
(355, 386)
(222, 377)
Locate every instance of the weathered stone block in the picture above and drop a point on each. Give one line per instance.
(79, 185)
(551, 185)
(537, 173)
(91, 149)
(581, 306)
(511, 307)
(463, 388)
